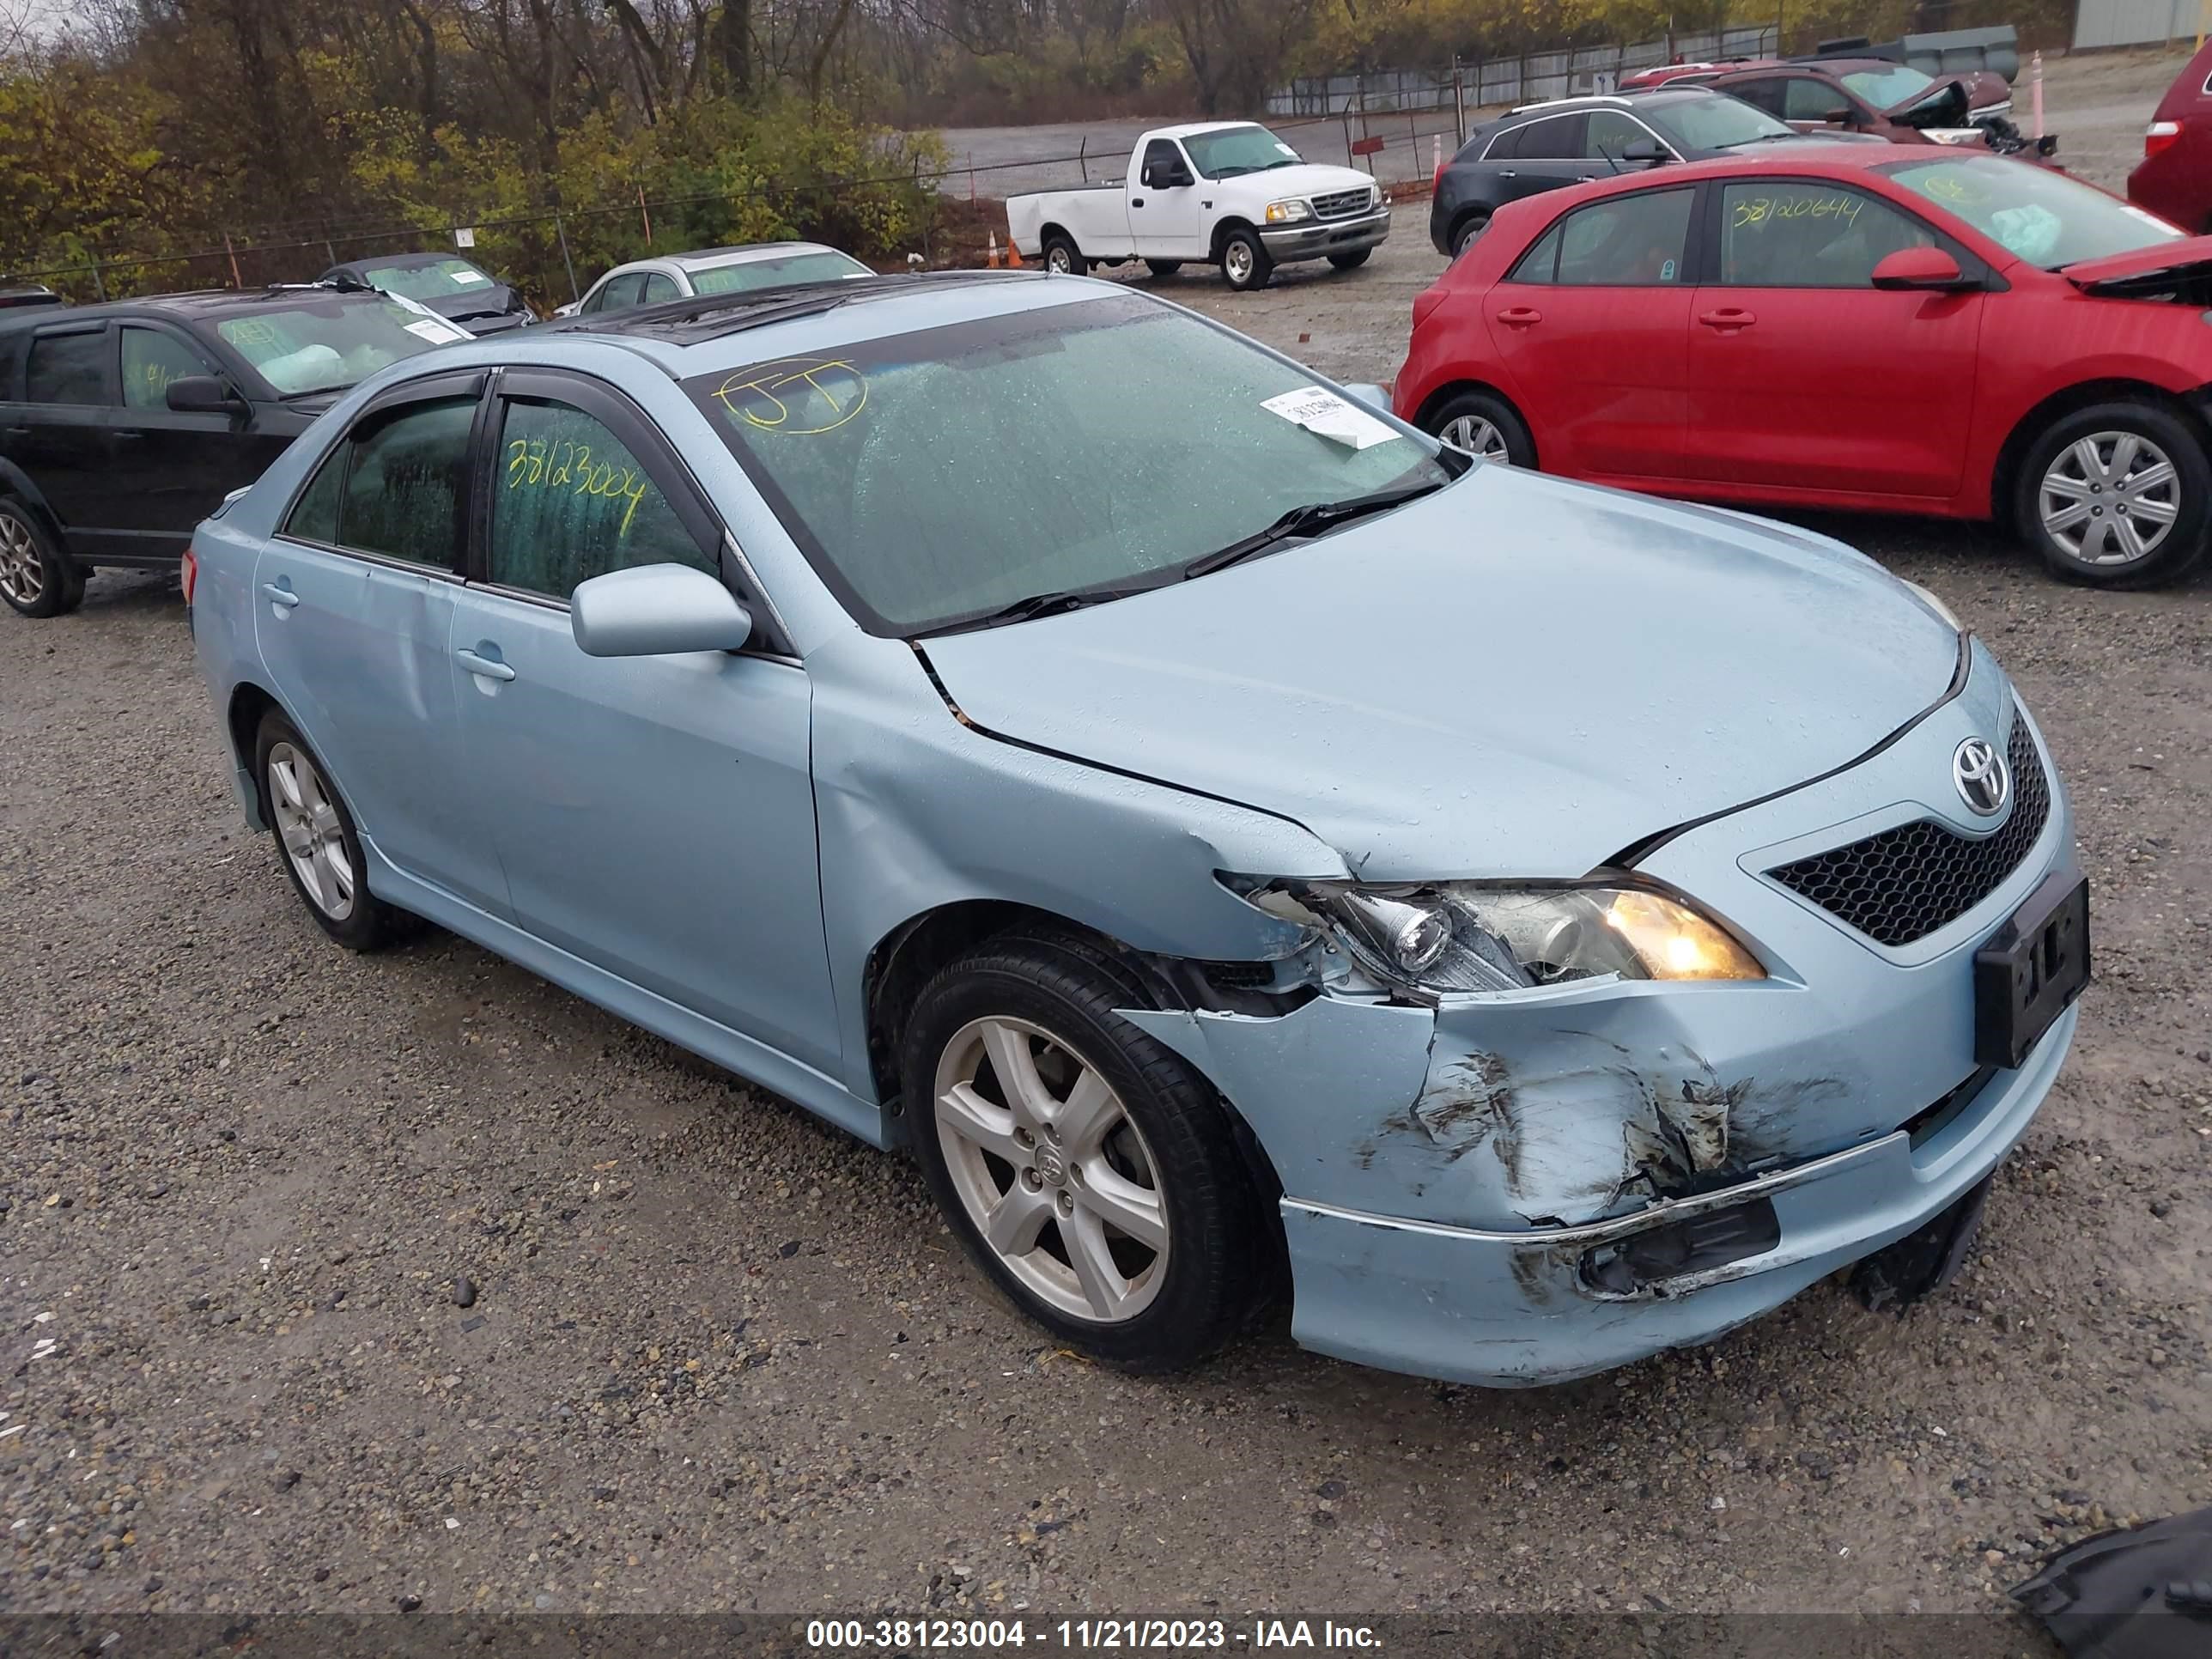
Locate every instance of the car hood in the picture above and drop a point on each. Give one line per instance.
(1516, 677)
(1306, 179)
(2143, 269)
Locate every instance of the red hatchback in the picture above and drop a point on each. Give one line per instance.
(1937, 331)
(2174, 177)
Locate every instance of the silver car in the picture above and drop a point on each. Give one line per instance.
(714, 270)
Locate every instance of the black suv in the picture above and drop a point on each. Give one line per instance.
(123, 425)
(1542, 147)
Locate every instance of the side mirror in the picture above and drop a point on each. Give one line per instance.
(202, 394)
(656, 610)
(1647, 151)
(1922, 268)
(1836, 118)
(1374, 397)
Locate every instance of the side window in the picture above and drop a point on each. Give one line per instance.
(404, 487)
(657, 287)
(68, 368)
(1506, 145)
(622, 293)
(1629, 241)
(1811, 99)
(596, 300)
(1540, 263)
(1559, 139)
(151, 359)
(569, 502)
(1161, 159)
(1768, 95)
(314, 516)
(1610, 134)
(1784, 233)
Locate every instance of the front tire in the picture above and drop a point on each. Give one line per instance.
(1244, 262)
(1063, 257)
(1088, 1171)
(2118, 495)
(1163, 267)
(1351, 261)
(37, 579)
(1483, 424)
(317, 843)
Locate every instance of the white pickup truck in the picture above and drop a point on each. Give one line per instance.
(1229, 192)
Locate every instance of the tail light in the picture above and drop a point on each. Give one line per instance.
(2160, 136)
(1437, 178)
(189, 574)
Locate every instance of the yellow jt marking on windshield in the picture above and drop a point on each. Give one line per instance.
(755, 395)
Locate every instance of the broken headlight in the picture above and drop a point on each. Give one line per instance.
(1458, 936)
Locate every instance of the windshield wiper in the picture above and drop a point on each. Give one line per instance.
(1060, 600)
(1763, 138)
(1307, 520)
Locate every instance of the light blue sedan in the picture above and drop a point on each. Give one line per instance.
(1228, 840)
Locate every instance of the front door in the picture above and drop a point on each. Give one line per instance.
(655, 815)
(1168, 222)
(173, 469)
(353, 613)
(1804, 374)
(1592, 326)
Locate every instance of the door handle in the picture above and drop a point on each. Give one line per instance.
(17, 431)
(1727, 317)
(1136, 201)
(1520, 316)
(1507, 172)
(132, 433)
(484, 667)
(278, 594)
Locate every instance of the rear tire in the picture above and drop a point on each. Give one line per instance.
(1483, 424)
(2118, 495)
(317, 843)
(1063, 257)
(1163, 267)
(1351, 261)
(1465, 231)
(1244, 262)
(1104, 1126)
(37, 579)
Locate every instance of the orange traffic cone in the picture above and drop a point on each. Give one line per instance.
(992, 263)
(1013, 253)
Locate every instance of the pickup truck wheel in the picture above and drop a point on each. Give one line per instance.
(1163, 267)
(1351, 261)
(2118, 495)
(37, 579)
(1244, 261)
(1483, 425)
(1086, 1169)
(1063, 257)
(1465, 231)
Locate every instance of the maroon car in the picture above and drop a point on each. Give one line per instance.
(2175, 178)
(1861, 95)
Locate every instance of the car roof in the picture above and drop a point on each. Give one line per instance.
(199, 303)
(1191, 129)
(1634, 98)
(1814, 160)
(402, 261)
(707, 258)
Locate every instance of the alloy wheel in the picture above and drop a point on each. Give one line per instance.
(1051, 1169)
(1478, 437)
(313, 837)
(1057, 262)
(2108, 498)
(1236, 262)
(23, 574)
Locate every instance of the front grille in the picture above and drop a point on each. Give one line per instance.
(1906, 883)
(1343, 204)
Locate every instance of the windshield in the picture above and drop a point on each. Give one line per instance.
(1886, 88)
(941, 475)
(822, 267)
(2045, 217)
(1234, 150)
(1719, 121)
(320, 345)
(434, 282)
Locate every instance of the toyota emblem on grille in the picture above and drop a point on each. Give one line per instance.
(1985, 784)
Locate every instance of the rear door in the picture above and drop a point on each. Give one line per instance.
(172, 470)
(58, 434)
(1803, 375)
(354, 607)
(1592, 325)
(1544, 154)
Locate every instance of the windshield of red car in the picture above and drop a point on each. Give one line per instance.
(1886, 88)
(2045, 217)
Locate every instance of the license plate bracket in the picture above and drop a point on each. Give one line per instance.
(2030, 970)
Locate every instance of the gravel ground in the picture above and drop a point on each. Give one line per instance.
(355, 1284)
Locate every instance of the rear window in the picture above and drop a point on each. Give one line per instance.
(823, 267)
(68, 368)
(322, 345)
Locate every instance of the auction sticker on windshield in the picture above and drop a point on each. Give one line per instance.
(1325, 415)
